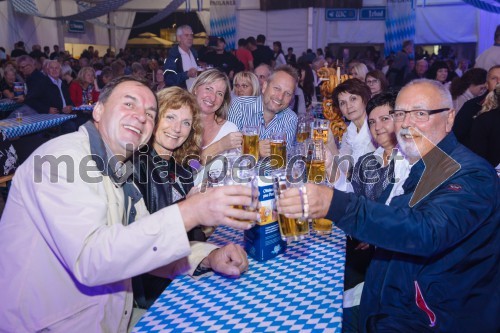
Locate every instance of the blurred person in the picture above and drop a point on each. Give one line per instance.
(181, 66)
(47, 94)
(484, 138)
(421, 67)
(244, 55)
(82, 89)
(465, 118)
(7, 84)
(70, 234)
(105, 77)
(439, 71)
(163, 176)
(359, 71)
(246, 84)
(118, 68)
(263, 71)
(376, 81)
(262, 54)
(437, 243)
(290, 57)
(306, 83)
(160, 81)
(471, 84)
(223, 60)
(491, 56)
(462, 67)
(138, 70)
(279, 56)
(67, 73)
(400, 68)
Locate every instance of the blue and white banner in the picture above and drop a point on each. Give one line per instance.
(223, 21)
(399, 24)
(492, 6)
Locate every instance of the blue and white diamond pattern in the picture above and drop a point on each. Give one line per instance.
(300, 290)
(399, 25)
(11, 128)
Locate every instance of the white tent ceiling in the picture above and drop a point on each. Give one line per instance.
(298, 28)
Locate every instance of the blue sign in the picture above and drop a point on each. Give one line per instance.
(372, 13)
(76, 26)
(340, 14)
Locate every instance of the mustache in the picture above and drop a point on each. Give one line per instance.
(408, 131)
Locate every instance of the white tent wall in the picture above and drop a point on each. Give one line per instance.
(287, 26)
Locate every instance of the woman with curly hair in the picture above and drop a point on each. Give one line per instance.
(162, 173)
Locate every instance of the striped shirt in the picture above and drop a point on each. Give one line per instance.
(249, 110)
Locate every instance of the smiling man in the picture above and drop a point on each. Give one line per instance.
(270, 110)
(68, 248)
(435, 267)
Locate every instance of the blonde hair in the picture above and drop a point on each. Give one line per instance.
(491, 100)
(210, 76)
(80, 78)
(173, 98)
(254, 81)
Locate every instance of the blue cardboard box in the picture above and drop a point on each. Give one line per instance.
(263, 241)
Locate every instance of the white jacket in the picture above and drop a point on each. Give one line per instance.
(66, 259)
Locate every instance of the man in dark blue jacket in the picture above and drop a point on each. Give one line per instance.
(436, 264)
(181, 66)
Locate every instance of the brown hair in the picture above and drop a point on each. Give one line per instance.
(173, 98)
(354, 87)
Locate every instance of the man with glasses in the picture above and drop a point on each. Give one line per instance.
(435, 267)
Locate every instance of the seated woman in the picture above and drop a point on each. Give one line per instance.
(220, 136)
(439, 71)
(351, 97)
(246, 84)
(82, 90)
(7, 84)
(471, 84)
(377, 81)
(163, 176)
(378, 176)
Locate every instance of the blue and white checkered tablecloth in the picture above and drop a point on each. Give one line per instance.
(86, 108)
(300, 290)
(11, 128)
(7, 105)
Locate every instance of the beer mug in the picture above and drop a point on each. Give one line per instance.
(320, 130)
(240, 172)
(278, 150)
(290, 229)
(251, 141)
(303, 130)
(315, 161)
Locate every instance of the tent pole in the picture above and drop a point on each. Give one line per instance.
(59, 25)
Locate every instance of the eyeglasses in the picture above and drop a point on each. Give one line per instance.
(416, 115)
(370, 82)
(244, 86)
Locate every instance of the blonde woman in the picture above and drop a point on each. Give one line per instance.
(246, 84)
(82, 89)
(211, 89)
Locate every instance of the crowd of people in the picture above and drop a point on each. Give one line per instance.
(89, 244)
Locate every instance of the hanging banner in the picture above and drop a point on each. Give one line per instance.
(492, 6)
(399, 24)
(223, 21)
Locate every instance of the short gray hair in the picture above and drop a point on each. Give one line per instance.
(181, 29)
(446, 100)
